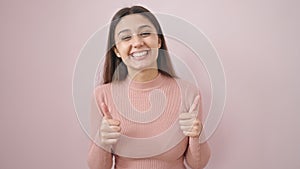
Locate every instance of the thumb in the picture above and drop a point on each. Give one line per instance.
(105, 111)
(194, 105)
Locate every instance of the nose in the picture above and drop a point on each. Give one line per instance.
(137, 41)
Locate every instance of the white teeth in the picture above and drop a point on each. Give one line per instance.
(139, 54)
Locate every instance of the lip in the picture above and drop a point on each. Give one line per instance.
(139, 51)
(141, 57)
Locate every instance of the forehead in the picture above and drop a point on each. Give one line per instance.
(133, 22)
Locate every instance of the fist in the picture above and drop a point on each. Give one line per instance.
(109, 131)
(188, 121)
(110, 128)
(189, 124)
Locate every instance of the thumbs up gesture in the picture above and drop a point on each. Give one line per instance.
(110, 128)
(188, 121)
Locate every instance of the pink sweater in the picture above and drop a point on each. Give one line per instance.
(157, 104)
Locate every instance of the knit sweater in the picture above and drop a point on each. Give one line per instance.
(148, 114)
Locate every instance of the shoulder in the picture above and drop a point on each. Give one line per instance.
(101, 92)
(187, 87)
(102, 88)
(189, 92)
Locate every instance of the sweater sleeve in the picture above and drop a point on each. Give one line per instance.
(99, 157)
(197, 154)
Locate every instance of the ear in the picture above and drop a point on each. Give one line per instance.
(159, 43)
(117, 52)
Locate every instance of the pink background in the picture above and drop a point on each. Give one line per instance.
(258, 43)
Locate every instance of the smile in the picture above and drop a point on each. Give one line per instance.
(139, 54)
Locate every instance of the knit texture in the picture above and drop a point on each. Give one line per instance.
(147, 110)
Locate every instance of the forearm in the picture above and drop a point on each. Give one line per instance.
(98, 158)
(197, 155)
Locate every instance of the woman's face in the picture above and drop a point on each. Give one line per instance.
(137, 43)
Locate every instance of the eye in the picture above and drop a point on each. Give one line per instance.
(125, 37)
(145, 34)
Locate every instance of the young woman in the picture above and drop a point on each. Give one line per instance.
(151, 118)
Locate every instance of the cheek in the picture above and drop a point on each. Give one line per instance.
(154, 43)
(123, 50)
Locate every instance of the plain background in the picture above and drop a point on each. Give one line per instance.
(258, 43)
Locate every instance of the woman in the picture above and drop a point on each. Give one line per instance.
(142, 98)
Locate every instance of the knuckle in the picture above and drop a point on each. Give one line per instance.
(103, 135)
(104, 141)
(182, 128)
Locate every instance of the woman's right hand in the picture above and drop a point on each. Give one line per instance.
(110, 128)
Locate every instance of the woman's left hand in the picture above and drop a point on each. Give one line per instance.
(188, 121)
(190, 125)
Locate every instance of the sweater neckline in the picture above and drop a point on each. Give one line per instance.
(154, 83)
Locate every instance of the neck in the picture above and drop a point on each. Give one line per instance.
(144, 75)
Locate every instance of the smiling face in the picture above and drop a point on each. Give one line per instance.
(137, 43)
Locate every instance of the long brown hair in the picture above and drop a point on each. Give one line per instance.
(114, 68)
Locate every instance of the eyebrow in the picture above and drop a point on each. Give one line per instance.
(145, 26)
(140, 27)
